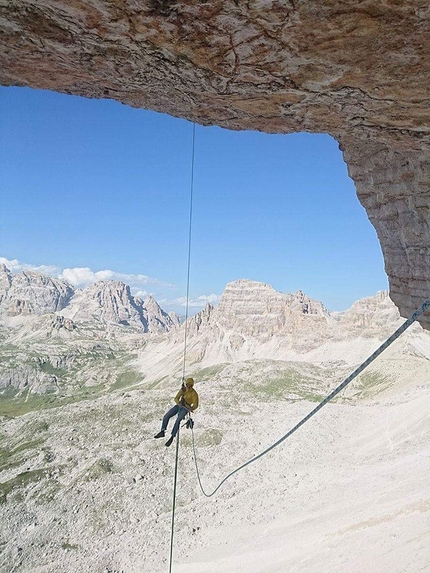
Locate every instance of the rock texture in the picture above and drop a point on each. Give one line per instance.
(32, 293)
(111, 302)
(105, 302)
(358, 70)
(254, 322)
(249, 308)
(259, 309)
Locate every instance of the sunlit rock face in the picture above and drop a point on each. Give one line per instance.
(358, 70)
(32, 293)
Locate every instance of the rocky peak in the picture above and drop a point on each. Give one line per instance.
(157, 320)
(174, 318)
(371, 315)
(106, 301)
(302, 303)
(201, 319)
(111, 302)
(30, 292)
(257, 308)
(5, 281)
(151, 304)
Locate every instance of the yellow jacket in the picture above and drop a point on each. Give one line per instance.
(188, 397)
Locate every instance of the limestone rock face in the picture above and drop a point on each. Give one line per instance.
(32, 293)
(257, 309)
(155, 317)
(105, 301)
(5, 281)
(253, 321)
(112, 302)
(372, 314)
(358, 70)
(252, 314)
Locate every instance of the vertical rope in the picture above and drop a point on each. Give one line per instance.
(174, 502)
(185, 339)
(189, 248)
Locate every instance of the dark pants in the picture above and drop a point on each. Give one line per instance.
(181, 411)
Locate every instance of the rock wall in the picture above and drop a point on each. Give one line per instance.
(358, 70)
(255, 322)
(32, 293)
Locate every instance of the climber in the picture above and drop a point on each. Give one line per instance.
(187, 400)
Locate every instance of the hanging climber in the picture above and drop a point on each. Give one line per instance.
(187, 400)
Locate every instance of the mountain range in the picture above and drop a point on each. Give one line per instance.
(60, 341)
(106, 302)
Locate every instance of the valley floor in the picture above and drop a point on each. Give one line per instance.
(88, 488)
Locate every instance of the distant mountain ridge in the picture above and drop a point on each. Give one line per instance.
(252, 314)
(59, 340)
(106, 302)
(253, 322)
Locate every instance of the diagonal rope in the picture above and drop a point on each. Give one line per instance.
(175, 480)
(330, 396)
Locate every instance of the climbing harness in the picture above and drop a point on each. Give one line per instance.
(175, 480)
(327, 399)
(189, 424)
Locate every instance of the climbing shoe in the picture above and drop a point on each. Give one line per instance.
(169, 441)
(160, 434)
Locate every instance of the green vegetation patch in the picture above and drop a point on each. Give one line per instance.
(288, 385)
(211, 437)
(48, 368)
(99, 469)
(208, 373)
(20, 481)
(12, 458)
(126, 379)
(68, 546)
(372, 383)
(13, 405)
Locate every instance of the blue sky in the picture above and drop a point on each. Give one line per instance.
(93, 189)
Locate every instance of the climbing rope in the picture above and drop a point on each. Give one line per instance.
(327, 399)
(175, 480)
(189, 248)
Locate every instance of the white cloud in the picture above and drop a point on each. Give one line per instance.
(15, 266)
(83, 276)
(197, 303)
(139, 293)
(212, 299)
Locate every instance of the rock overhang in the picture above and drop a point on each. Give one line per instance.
(358, 70)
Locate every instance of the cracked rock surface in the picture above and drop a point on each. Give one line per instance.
(358, 70)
